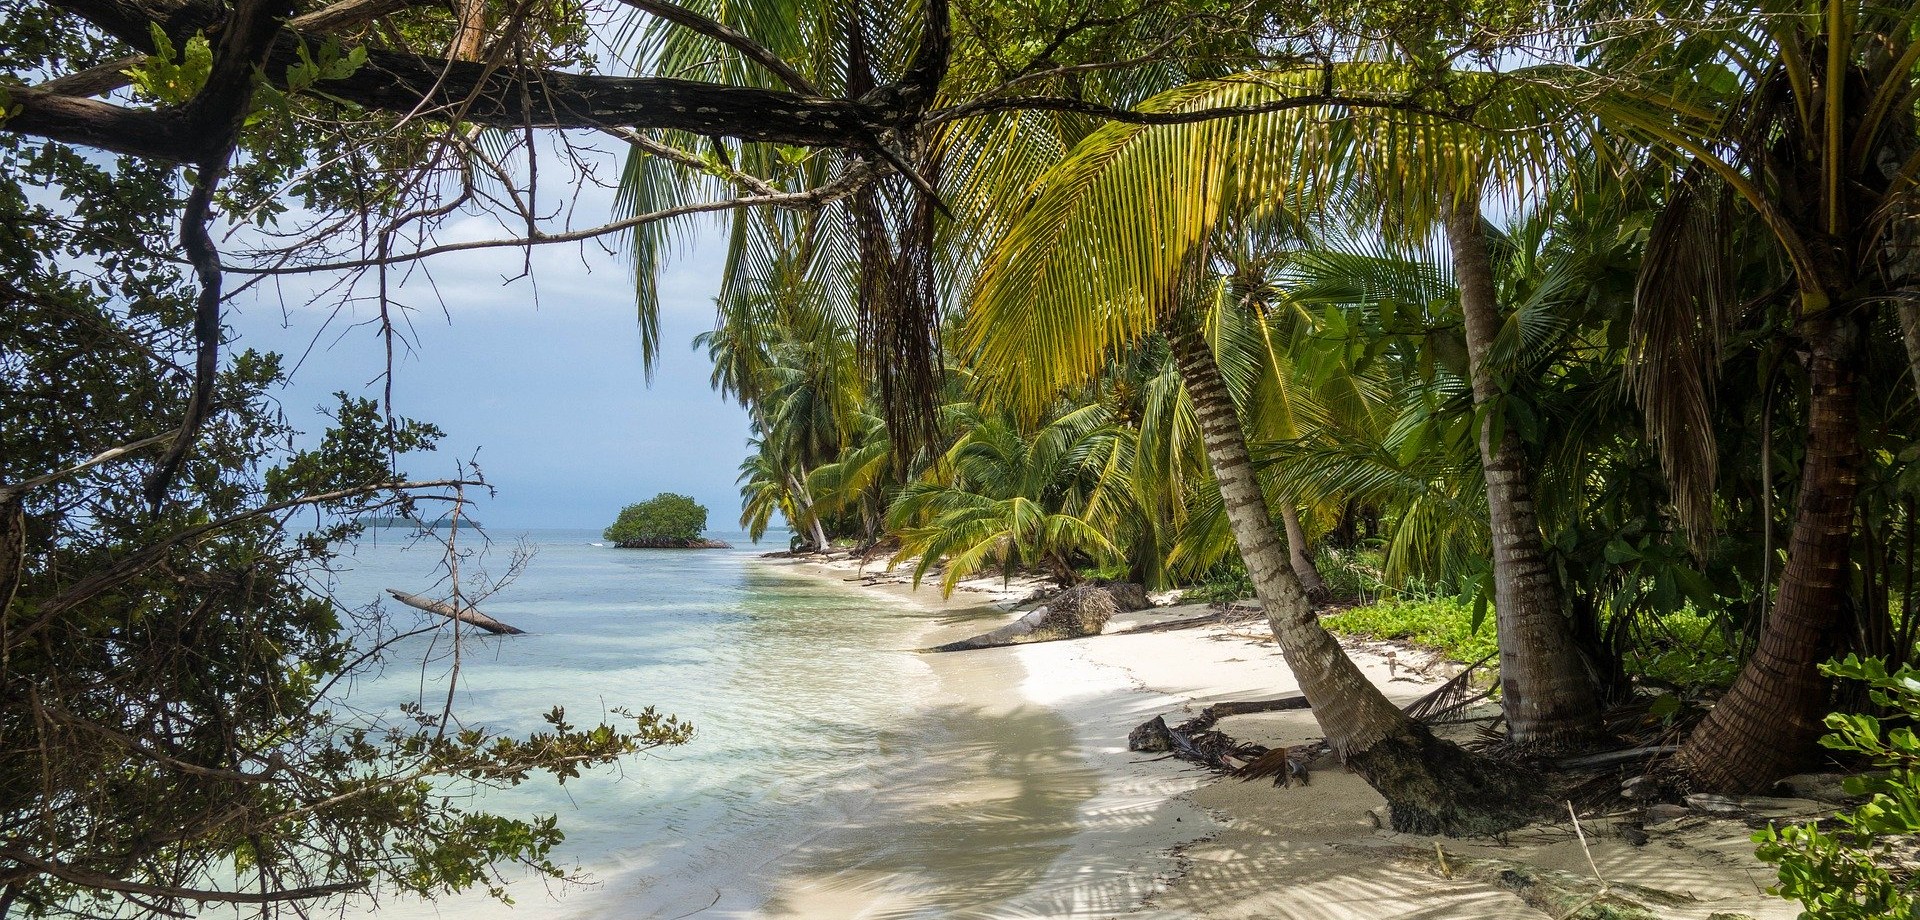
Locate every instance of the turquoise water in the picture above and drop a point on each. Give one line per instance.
(800, 690)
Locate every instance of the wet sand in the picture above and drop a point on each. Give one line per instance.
(1033, 808)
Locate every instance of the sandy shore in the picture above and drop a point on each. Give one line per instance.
(1151, 838)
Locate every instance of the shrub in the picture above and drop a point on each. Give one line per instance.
(1445, 624)
(1224, 584)
(1854, 873)
(666, 516)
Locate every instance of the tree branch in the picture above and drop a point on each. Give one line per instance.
(90, 879)
(811, 198)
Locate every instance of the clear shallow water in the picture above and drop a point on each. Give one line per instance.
(805, 700)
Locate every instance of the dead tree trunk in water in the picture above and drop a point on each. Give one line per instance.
(466, 615)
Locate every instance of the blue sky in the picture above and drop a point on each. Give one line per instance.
(538, 378)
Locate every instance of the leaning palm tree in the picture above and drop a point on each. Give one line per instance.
(1141, 206)
(1418, 170)
(1804, 116)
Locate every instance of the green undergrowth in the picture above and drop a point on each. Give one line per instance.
(1221, 586)
(1684, 648)
(1442, 624)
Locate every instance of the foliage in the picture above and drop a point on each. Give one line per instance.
(1446, 625)
(170, 734)
(1354, 576)
(1851, 870)
(1004, 498)
(1685, 648)
(667, 516)
(1224, 584)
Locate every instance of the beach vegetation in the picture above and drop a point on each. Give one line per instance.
(1583, 335)
(1445, 625)
(170, 730)
(1854, 867)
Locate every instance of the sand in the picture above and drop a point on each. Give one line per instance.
(1098, 831)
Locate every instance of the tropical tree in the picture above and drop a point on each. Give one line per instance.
(1039, 323)
(1803, 115)
(1003, 497)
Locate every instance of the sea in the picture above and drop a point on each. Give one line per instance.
(820, 751)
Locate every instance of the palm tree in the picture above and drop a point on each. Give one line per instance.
(1548, 690)
(1141, 205)
(1004, 497)
(1804, 117)
(1396, 160)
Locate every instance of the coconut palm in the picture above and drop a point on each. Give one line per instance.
(1004, 497)
(1803, 115)
(1142, 206)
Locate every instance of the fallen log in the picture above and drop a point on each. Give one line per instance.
(1247, 707)
(1082, 610)
(466, 615)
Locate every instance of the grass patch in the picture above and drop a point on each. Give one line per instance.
(1221, 586)
(1442, 624)
(1684, 648)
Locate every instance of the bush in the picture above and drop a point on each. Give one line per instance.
(1854, 873)
(666, 516)
(1445, 624)
(1352, 574)
(1224, 585)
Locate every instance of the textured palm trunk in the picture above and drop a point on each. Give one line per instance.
(470, 38)
(1299, 559)
(1432, 786)
(1765, 725)
(1547, 689)
(803, 498)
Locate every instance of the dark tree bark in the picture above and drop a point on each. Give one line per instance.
(1765, 725)
(1432, 786)
(474, 92)
(1548, 692)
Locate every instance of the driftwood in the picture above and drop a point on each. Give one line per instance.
(466, 615)
(1082, 610)
(1196, 741)
(1614, 758)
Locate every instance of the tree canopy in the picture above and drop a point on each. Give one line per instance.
(665, 518)
(1568, 310)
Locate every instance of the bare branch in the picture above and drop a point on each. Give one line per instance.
(806, 200)
(7, 493)
(89, 879)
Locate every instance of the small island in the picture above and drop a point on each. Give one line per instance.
(665, 521)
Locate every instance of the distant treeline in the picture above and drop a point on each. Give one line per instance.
(394, 520)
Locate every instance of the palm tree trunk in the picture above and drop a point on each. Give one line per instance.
(801, 497)
(1300, 560)
(1765, 725)
(1431, 786)
(1547, 689)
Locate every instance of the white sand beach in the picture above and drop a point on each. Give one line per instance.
(1158, 838)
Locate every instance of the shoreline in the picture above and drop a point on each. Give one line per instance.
(1161, 839)
(1112, 850)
